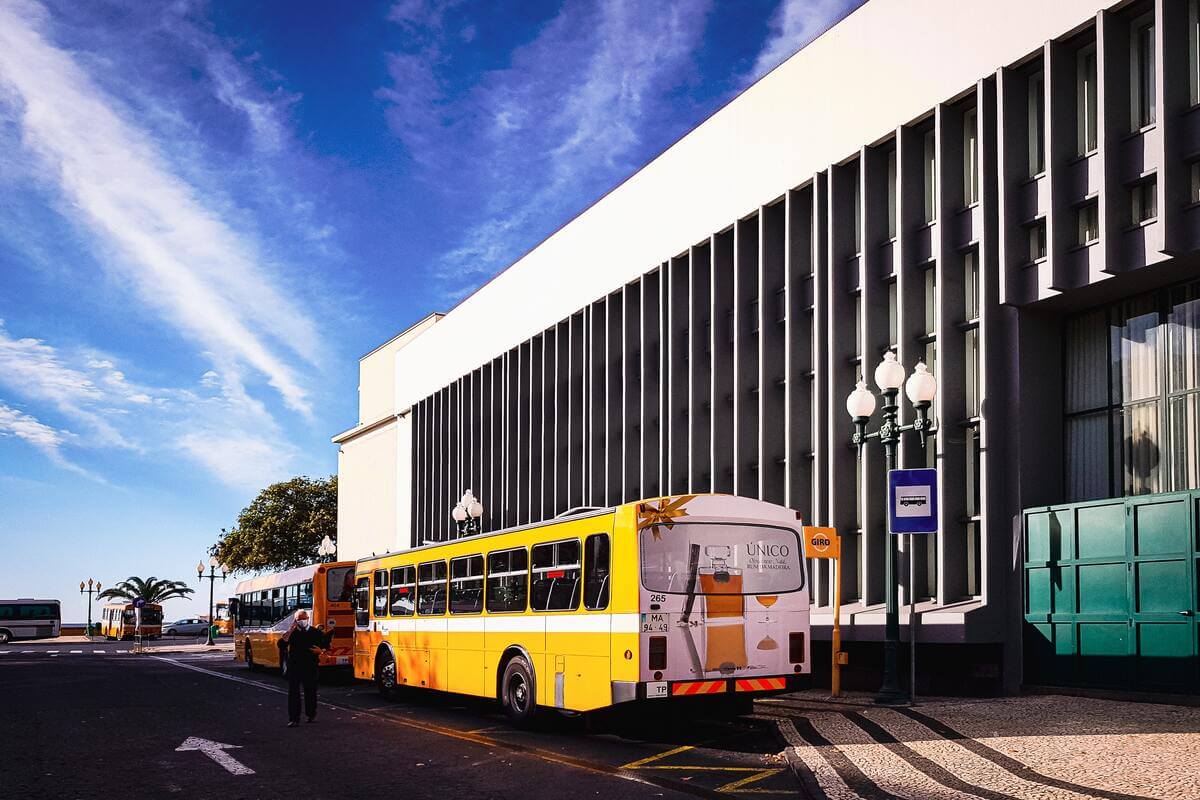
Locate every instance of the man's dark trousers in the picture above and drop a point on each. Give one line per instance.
(302, 677)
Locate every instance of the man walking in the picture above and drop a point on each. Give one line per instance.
(300, 647)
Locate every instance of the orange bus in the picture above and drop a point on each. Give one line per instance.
(119, 621)
(224, 620)
(265, 606)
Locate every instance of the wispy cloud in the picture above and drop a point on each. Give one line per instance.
(154, 228)
(563, 120)
(14, 422)
(794, 24)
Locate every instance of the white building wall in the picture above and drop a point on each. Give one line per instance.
(886, 63)
(368, 473)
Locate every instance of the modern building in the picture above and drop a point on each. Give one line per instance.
(1007, 191)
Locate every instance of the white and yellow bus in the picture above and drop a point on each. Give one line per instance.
(120, 621)
(673, 597)
(264, 607)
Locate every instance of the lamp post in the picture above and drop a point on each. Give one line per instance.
(468, 514)
(327, 549)
(89, 591)
(211, 577)
(921, 388)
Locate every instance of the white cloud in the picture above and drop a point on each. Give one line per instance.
(14, 422)
(238, 459)
(794, 24)
(562, 120)
(182, 257)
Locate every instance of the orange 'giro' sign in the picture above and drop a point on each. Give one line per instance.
(821, 543)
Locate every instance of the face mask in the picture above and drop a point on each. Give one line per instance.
(303, 623)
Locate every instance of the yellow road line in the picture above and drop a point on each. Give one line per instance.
(736, 786)
(643, 761)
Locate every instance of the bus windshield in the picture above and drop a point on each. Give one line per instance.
(718, 558)
(150, 616)
(339, 582)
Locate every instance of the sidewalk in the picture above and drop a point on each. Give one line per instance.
(1042, 746)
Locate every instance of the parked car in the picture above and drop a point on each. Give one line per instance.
(192, 626)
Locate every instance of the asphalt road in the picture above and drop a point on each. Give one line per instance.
(96, 725)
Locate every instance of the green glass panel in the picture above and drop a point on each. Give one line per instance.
(1103, 639)
(1166, 659)
(1037, 537)
(1037, 591)
(1161, 528)
(1064, 639)
(1102, 531)
(1102, 589)
(1062, 589)
(1162, 587)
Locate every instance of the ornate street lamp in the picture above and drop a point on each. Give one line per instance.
(327, 549)
(211, 577)
(468, 514)
(89, 591)
(920, 388)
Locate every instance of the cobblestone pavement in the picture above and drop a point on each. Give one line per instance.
(1038, 747)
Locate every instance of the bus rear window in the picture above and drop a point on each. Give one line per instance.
(721, 559)
(339, 584)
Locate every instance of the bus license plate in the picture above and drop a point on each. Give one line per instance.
(658, 689)
(654, 623)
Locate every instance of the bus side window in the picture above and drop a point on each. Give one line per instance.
(466, 585)
(431, 588)
(362, 601)
(404, 591)
(556, 576)
(596, 572)
(507, 580)
(379, 607)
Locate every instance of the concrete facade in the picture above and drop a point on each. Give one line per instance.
(977, 172)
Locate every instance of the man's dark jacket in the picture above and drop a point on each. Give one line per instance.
(297, 649)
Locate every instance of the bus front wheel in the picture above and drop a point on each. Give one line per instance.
(385, 675)
(517, 692)
(5, 636)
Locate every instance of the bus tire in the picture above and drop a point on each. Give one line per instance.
(518, 695)
(385, 675)
(5, 636)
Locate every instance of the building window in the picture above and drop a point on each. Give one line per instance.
(1143, 201)
(1142, 72)
(891, 193)
(858, 211)
(930, 170)
(1037, 240)
(1036, 91)
(970, 157)
(1088, 217)
(971, 285)
(931, 306)
(893, 315)
(1086, 99)
(1132, 396)
(1195, 193)
(1194, 50)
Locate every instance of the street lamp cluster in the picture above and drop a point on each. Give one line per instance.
(468, 514)
(921, 388)
(211, 577)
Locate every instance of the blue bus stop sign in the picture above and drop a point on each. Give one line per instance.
(912, 501)
(139, 603)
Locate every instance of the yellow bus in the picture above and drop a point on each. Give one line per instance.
(224, 618)
(673, 597)
(265, 606)
(119, 621)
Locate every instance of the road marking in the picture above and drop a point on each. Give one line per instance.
(122, 651)
(26, 652)
(467, 736)
(216, 751)
(76, 652)
(52, 652)
(99, 651)
(738, 785)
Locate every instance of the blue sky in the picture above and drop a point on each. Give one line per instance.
(210, 210)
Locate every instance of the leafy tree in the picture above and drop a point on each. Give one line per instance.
(151, 589)
(282, 528)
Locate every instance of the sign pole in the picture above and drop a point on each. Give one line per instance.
(912, 619)
(836, 680)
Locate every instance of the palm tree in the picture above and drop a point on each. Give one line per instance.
(151, 589)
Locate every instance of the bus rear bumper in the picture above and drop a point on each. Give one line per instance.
(764, 686)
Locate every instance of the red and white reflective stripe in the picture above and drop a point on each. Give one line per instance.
(759, 684)
(697, 687)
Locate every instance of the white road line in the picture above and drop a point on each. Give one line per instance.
(465, 735)
(27, 652)
(826, 776)
(99, 651)
(887, 770)
(52, 652)
(76, 652)
(960, 761)
(122, 651)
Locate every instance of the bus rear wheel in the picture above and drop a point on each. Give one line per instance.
(5, 636)
(385, 675)
(517, 692)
